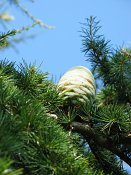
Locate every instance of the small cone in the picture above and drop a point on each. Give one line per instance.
(77, 85)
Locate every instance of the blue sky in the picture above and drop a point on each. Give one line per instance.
(60, 49)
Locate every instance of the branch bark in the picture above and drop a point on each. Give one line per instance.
(102, 140)
(125, 138)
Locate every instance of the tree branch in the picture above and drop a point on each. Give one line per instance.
(101, 140)
(125, 138)
(106, 165)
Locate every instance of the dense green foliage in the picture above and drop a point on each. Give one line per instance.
(112, 116)
(29, 136)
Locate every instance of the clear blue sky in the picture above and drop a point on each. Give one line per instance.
(60, 49)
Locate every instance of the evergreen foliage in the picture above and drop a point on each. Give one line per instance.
(29, 136)
(5, 18)
(112, 66)
(113, 112)
(4, 38)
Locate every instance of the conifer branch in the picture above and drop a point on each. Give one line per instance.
(101, 140)
(35, 20)
(96, 48)
(4, 37)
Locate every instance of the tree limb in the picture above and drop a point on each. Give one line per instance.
(101, 140)
(125, 139)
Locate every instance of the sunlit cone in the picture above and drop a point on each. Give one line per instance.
(77, 85)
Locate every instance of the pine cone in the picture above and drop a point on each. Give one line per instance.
(77, 85)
